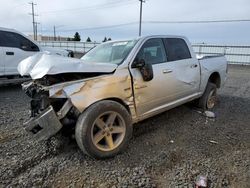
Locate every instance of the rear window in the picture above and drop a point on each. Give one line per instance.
(177, 49)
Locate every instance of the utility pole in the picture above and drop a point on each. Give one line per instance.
(33, 19)
(36, 23)
(54, 33)
(141, 1)
(54, 28)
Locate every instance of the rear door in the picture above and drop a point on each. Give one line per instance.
(1, 62)
(2, 57)
(185, 68)
(16, 48)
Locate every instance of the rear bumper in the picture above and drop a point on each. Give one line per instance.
(44, 125)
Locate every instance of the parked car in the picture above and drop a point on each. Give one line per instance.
(116, 85)
(14, 47)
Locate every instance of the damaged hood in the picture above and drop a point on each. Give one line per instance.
(55, 51)
(42, 64)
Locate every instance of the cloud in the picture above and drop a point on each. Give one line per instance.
(80, 14)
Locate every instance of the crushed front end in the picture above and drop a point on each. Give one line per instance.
(47, 115)
(62, 88)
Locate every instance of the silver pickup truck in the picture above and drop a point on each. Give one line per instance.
(115, 85)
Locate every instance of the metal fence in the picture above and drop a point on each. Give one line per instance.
(70, 45)
(235, 54)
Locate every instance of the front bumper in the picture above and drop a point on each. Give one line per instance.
(45, 125)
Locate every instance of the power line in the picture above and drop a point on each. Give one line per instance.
(18, 5)
(94, 7)
(157, 22)
(102, 27)
(197, 21)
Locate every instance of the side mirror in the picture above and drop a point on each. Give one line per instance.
(145, 68)
(138, 63)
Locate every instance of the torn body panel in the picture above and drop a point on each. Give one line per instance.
(68, 97)
(83, 93)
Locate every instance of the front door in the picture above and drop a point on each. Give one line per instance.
(151, 96)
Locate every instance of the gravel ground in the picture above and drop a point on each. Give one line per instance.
(169, 150)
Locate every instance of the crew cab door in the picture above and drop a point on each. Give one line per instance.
(1, 61)
(15, 48)
(169, 82)
(2, 57)
(184, 67)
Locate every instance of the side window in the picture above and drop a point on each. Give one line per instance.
(3, 41)
(11, 40)
(177, 49)
(152, 51)
(15, 40)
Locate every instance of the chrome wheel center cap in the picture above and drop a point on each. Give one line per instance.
(106, 129)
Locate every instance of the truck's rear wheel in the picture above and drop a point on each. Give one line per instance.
(104, 129)
(209, 97)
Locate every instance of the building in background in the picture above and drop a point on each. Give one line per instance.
(49, 38)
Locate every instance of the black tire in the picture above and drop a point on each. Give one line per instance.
(203, 100)
(87, 122)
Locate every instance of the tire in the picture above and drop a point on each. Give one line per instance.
(204, 101)
(96, 134)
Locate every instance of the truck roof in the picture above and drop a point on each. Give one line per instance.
(151, 36)
(8, 29)
(159, 36)
(14, 31)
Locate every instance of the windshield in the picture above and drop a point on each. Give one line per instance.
(112, 52)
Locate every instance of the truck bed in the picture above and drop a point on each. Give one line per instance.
(212, 64)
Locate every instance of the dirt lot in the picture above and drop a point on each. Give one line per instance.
(169, 150)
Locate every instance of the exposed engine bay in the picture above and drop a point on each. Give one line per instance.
(64, 113)
(49, 80)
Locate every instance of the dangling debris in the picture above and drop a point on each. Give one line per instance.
(209, 114)
(201, 182)
(213, 142)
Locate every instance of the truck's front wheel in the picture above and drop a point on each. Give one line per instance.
(104, 129)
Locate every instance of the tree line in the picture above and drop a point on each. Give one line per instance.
(77, 37)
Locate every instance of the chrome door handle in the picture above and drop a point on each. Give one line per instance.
(9, 53)
(165, 71)
(194, 66)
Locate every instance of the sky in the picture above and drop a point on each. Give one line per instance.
(119, 19)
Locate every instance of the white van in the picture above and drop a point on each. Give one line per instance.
(14, 47)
